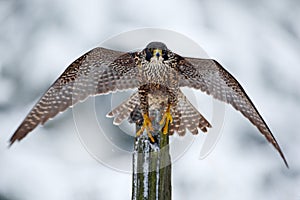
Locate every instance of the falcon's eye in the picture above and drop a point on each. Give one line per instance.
(165, 55)
(148, 54)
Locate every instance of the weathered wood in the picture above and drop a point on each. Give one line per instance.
(151, 177)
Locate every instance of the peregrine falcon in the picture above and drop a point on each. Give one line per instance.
(158, 74)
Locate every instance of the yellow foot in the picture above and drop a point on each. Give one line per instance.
(167, 120)
(148, 126)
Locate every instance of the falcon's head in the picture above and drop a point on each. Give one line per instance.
(156, 51)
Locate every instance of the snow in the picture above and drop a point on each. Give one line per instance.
(257, 41)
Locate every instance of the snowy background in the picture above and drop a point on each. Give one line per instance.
(257, 41)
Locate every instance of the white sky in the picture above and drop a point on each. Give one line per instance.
(257, 41)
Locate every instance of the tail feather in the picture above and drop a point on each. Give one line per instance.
(185, 115)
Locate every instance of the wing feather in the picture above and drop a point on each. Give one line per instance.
(209, 76)
(99, 71)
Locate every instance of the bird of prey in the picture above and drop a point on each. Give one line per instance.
(158, 74)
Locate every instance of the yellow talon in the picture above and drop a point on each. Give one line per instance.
(150, 136)
(166, 119)
(148, 126)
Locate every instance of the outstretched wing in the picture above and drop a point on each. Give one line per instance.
(99, 71)
(210, 77)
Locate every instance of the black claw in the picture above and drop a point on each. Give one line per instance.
(155, 139)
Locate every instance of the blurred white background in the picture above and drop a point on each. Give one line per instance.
(257, 41)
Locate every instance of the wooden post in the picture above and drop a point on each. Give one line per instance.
(151, 177)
